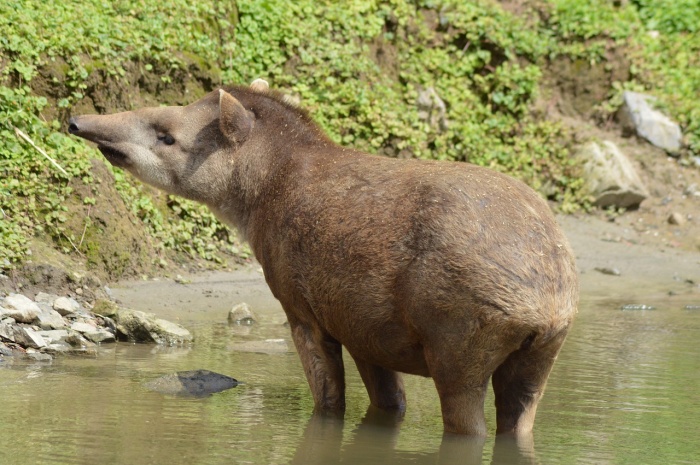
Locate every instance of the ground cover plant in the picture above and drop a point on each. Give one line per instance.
(359, 67)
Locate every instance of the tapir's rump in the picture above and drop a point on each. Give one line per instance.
(438, 269)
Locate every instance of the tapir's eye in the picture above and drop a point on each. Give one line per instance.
(167, 139)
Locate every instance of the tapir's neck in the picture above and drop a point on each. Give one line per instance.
(269, 163)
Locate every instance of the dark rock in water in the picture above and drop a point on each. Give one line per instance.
(196, 383)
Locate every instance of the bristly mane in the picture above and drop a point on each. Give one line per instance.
(272, 105)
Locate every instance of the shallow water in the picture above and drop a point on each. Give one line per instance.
(624, 390)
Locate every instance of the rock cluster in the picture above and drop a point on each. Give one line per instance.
(610, 177)
(49, 325)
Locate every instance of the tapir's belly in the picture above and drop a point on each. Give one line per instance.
(385, 344)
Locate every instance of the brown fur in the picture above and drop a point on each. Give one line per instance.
(431, 268)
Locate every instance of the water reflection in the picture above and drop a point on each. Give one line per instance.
(624, 390)
(374, 441)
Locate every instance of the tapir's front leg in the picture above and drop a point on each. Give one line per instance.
(322, 359)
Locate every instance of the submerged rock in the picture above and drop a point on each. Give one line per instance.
(196, 383)
(268, 346)
(609, 271)
(241, 314)
(637, 307)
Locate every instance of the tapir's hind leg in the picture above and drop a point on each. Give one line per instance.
(385, 387)
(322, 359)
(461, 365)
(519, 382)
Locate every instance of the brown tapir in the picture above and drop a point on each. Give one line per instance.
(436, 269)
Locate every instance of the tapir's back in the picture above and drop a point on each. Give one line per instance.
(372, 239)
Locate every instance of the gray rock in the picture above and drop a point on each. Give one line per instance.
(59, 348)
(6, 351)
(676, 219)
(145, 327)
(66, 305)
(50, 319)
(610, 177)
(27, 337)
(99, 336)
(197, 383)
(76, 340)
(43, 297)
(268, 346)
(21, 308)
(7, 330)
(638, 115)
(82, 327)
(54, 336)
(432, 109)
(105, 308)
(241, 314)
(38, 356)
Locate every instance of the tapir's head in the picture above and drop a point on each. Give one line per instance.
(183, 150)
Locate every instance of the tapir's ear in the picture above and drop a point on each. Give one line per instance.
(235, 122)
(259, 85)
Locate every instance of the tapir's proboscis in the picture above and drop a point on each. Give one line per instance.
(432, 268)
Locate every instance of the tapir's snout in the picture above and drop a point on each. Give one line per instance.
(108, 132)
(73, 126)
(95, 128)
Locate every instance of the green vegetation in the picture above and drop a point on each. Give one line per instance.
(357, 66)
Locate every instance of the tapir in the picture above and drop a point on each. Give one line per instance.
(432, 268)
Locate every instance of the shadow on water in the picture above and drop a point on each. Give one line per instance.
(374, 441)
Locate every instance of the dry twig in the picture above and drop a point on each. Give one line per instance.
(40, 150)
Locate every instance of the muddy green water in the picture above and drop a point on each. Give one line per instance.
(626, 389)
